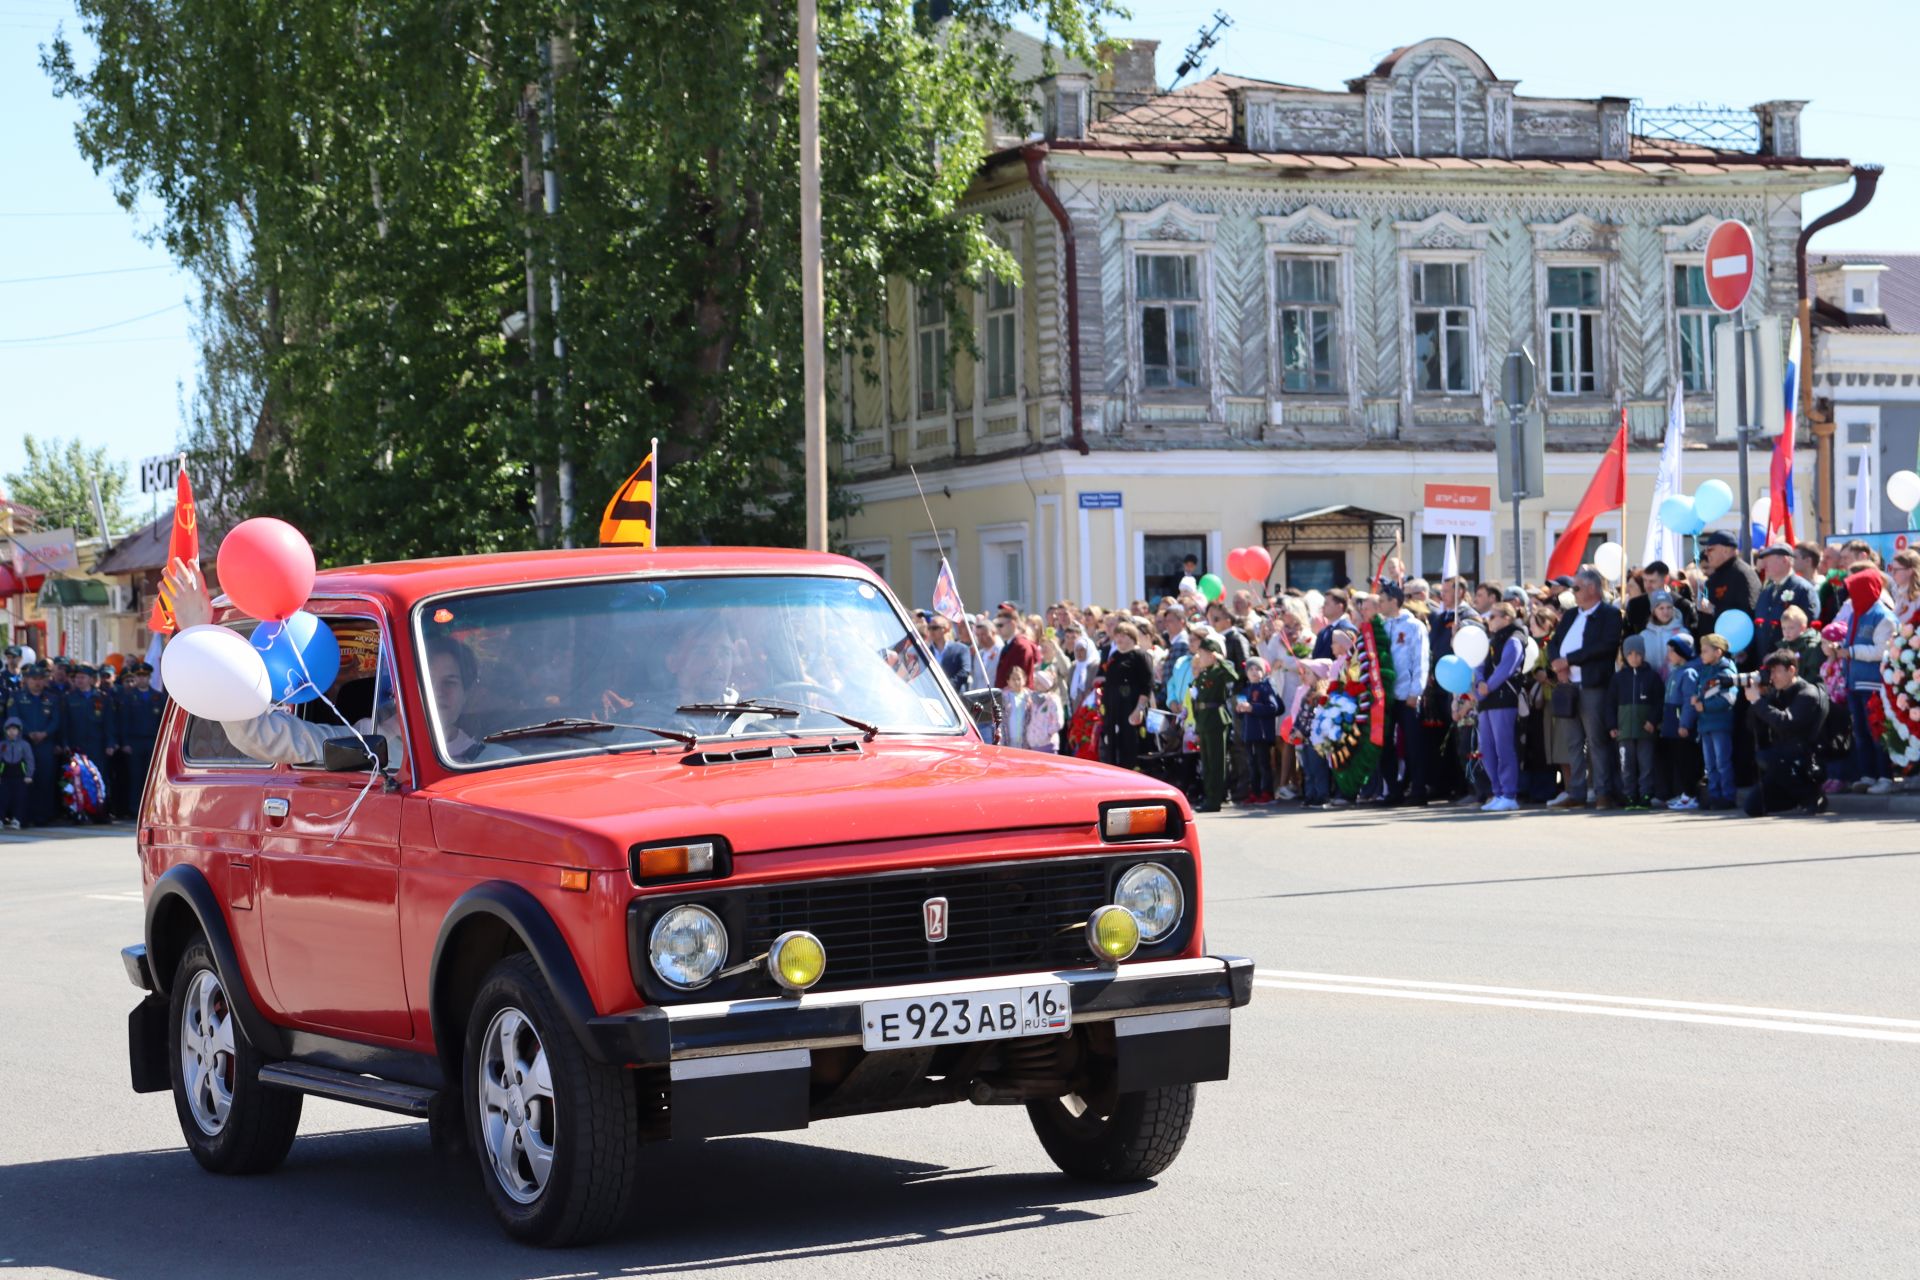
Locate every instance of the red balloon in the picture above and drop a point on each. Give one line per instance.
(1236, 562)
(1259, 562)
(266, 567)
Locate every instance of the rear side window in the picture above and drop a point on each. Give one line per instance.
(207, 744)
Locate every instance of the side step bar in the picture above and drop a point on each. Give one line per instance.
(344, 1086)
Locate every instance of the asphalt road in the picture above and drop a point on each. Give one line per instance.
(1566, 1107)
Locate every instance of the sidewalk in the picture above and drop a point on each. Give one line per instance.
(62, 831)
(1900, 804)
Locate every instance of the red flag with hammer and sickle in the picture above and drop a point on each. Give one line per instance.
(182, 544)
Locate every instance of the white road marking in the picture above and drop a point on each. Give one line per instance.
(113, 897)
(1588, 997)
(1407, 991)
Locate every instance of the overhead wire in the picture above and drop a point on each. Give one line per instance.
(99, 328)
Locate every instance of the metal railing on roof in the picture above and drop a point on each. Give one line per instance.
(1699, 124)
(1160, 117)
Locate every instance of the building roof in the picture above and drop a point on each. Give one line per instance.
(1899, 292)
(146, 548)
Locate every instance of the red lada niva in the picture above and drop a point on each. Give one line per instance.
(586, 849)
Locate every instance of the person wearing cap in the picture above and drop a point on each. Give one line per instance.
(1407, 640)
(42, 716)
(1731, 582)
(141, 708)
(1708, 717)
(1783, 589)
(1655, 578)
(16, 773)
(1788, 715)
(1665, 620)
(10, 674)
(1212, 719)
(1584, 648)
(91, 728)
(1677, 757)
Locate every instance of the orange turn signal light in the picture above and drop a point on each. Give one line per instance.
(1131, 822)
(669, 860)
(574, 880)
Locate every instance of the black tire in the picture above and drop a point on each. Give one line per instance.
(260, 1122)
(1137, 1140)
(593, 1128)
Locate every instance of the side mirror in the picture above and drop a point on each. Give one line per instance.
(983, 705)
(346, 755)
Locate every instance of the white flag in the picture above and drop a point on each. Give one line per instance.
(1865, 509)
(1663, 543)
(1450, 564)
(154, 648)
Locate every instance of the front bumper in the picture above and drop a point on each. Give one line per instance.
(743, 1066)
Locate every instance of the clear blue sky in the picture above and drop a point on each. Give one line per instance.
(123, 386)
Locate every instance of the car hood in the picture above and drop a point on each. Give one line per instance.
(588, 810)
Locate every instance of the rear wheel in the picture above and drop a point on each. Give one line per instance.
(232, 1122)
(556, 1133)
(1133, 1138)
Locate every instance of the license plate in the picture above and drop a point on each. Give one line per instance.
(965, 1017)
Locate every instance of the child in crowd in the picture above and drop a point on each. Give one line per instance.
(1045, 716)
(1636, 705)
(16, 774)
(1314, 674)
(1664, 622)
(1709, 716)
(1679, 752)
(1259, 710)
(1800, 639)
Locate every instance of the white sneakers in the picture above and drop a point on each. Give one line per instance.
(1862, 785)
(1560, 801)
(1881, 787)
(1287, 793)
(1500, 804)
(1680, 804)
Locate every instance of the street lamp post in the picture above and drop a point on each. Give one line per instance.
(813, 322)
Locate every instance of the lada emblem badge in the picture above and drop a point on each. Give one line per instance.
(933, 912)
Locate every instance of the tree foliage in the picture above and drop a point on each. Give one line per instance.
(357, 186)
(56, 481)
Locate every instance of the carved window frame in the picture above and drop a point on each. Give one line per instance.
(1443, 237)
(1686, 246)
(1577, 241)
(1171, 228)
(854, 368)
(1008, 236)
(1312, 233)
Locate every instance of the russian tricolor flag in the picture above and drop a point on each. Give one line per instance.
(1780, 506)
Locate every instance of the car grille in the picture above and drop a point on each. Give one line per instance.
(1001, 919)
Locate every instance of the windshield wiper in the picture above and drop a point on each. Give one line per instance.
(577, 725)
(772, 707)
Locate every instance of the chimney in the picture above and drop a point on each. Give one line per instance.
(1068, 100)
(1779, 127)
(1130, 67)
(1853, 287)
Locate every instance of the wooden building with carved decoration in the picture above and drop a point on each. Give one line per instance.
(1254, 312)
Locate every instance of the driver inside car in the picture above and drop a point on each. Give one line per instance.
(278, 736)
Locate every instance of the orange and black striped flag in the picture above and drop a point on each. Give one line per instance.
(629, 521)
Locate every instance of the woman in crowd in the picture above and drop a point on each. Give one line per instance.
(1501, 678)
(1126, 688)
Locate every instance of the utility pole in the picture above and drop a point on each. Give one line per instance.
(530, 204)
(549, 144)
(1206, 41)
(1742, 334)
(813, 323)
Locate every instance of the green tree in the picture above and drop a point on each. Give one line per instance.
(359, 189)
(56, 482)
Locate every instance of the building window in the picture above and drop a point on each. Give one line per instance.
(1003, 566)
(1308, 302)
(1433, 556)
(1163, 559)
(930, 333)
(1442, 327)
(1573, 330)
(1003, 367)
(1697, 318)
(1167, 288)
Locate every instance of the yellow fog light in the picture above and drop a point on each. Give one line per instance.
(796, 960)
(1113, 934)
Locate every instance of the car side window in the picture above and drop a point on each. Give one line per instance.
(206, 743)
(363, 692)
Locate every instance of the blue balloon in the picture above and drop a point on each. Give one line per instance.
(1453, 673)
(302, 657)
(1736, 627)
(1680, 514)
(1712, 500)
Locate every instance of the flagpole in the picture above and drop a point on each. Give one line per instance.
(653, 451)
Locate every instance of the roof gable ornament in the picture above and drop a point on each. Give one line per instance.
(1171, 221)
(1692, 237)
(1443, 230)
(1309, 226)
(1573, 233)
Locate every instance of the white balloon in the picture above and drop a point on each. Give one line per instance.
(1533, 653)
(216, 675)
(1762, 508)
(1188, 584)
(27, 654)
(1610, 558)
(1903, 489)
(1471, 644)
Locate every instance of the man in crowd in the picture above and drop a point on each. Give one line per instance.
(10, 674)
(1583, 649)
(1334, 610)
(1731, 581)
(1658, 576)
(1788, 715)
(1485, 596)
(1408, 641)
(954, 658)
(1784, 589)
(1016, 649)
(42, 718)
(986, 651)
(141, 709)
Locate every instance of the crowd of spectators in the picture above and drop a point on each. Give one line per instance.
(1581, 693)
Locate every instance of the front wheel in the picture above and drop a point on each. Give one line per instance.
(1136, 1138)
(556, 1133)
(232, 1122)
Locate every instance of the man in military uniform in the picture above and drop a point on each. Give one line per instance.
(10, 675)
(113, 769)
(42, 719)
(90, 722)
(141, 708)
(1784, 588)
(1212, 718)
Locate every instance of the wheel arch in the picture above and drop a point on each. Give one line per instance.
(182, 906)
(484, 925)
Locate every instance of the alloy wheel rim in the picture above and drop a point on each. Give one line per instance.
(207, 1054)
(515, 1089)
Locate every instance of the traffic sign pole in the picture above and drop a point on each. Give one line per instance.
(1729, 269)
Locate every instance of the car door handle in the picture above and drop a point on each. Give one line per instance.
(274, 807)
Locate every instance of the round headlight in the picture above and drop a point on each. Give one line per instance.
(796, 960)
(1113, 933)
(1153, 894)
(688, 946)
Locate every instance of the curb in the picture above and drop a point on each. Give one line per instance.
(1896, 805)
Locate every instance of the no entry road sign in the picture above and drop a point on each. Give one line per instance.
(1729, 266)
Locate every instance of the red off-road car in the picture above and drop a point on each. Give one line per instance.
(623, 845)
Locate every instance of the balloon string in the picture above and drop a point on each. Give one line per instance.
(373, 775)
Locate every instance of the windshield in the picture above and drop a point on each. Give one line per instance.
(574, 668)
